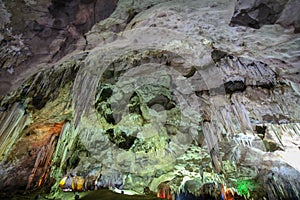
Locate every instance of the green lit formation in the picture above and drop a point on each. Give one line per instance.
(244, 187)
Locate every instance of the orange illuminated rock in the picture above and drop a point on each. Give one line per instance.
(49, 128)
(164, 191)
(229, 194)
(69, 183)
(45, 140)
(62, 182)
(226, 193)
(78, 183)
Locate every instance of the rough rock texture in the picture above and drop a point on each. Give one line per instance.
(164, 93)
(255, 13)
(39, 33)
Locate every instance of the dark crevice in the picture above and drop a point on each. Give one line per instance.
(244, 19)
(121, 139)
(261, 131)
(108, 74)
(105, 94)
(134, 104)
(271, 146)
(202, 92)
(39, 101)
(131, 14)
(104, 109)
(262, 13)
(276, 119)
(217, 55)
(191, 72)
(266, 85)
(211, 91)
(110, 119)
(234, 86)
(163, 101)
(265, 16)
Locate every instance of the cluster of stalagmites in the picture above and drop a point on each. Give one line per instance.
(95, 181)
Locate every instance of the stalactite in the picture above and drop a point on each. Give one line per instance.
(227, 120)
(279, 132)
(242, 115)
(243, 139)
(43, 161)
(65, 139)
(212, 145)
(83, 88)
(12, 122)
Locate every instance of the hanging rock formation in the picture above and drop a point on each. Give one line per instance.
(255, 14)
(168, 97)
(35, 34)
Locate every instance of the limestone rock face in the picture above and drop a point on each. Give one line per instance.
(36, 33)
(254, 14)
(164, 94)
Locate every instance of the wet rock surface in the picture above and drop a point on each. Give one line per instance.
(165, 97)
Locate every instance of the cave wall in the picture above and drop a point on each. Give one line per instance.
(162, 92)
(36, 33)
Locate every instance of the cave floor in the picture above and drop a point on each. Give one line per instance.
(102, 194)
